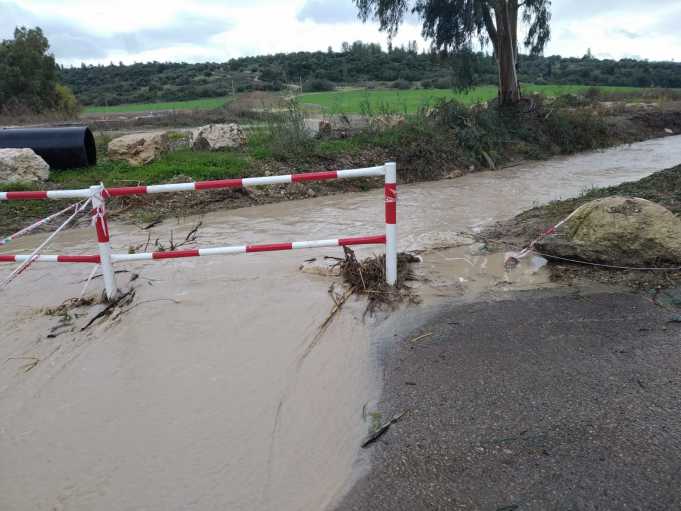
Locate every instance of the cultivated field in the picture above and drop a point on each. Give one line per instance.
(194, 104)
(409, 101)
(353, 101)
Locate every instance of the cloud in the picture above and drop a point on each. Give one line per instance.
(99, 31)
(68, 40)
(328, 11)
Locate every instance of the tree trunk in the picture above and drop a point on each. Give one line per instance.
(506, 47)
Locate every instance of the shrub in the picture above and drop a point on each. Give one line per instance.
(66, 103)
(318, 85)
(401, 85)
(286, 135)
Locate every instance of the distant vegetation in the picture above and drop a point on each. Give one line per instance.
(357, 63)
(28, 77)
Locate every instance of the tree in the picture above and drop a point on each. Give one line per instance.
(28, 74)
(453, 25)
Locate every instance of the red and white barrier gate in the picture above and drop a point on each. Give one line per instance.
(98, 195)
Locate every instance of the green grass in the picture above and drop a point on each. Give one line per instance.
(409, 101)
(196, 165)
(195, 104)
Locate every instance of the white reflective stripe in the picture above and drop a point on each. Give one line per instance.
(390, 173)
(39, 259)
(368, 172)
(315, 244)
(176, 187)
(68, 194)
(270, 180)
(132, 257)
(3, 195)
(241, 249)
(391, 254)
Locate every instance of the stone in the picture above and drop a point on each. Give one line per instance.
(139, 149)
(383, 122)
(619, 231)
(22, 166)
(215, 137)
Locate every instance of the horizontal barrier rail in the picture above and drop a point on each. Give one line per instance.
(177, 254)
(96, 196)
(245, 182)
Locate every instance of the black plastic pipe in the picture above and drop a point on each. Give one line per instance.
(61, 148)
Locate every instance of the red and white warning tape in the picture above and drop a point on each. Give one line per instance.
(239, 249)
(27, 261)
(37, 224)
(513, 257)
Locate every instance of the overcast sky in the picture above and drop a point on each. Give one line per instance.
(98, 31)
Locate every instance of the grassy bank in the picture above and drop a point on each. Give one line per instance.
(448, 142)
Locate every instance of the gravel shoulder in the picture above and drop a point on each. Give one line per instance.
(544, 401)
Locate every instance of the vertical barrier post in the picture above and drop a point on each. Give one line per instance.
(391, 223)
(102, 228)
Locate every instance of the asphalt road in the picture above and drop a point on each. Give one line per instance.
(537, 403)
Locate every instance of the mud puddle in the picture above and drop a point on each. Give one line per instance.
(208, 394)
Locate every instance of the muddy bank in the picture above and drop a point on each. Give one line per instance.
(218, 383)
(661, 187)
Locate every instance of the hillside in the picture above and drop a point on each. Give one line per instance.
(358, 63)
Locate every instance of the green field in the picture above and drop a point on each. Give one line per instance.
(195, 104)
(408, 101)
(353, 101)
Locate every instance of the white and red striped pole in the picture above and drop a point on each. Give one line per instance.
(102, 228)
(391, 223)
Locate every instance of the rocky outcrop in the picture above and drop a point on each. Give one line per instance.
(139, 148)
(215, 137)
(22, 166)
(619, 231)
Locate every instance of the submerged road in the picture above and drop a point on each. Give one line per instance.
(217, 391)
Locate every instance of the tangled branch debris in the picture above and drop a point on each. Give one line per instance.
(367, 277)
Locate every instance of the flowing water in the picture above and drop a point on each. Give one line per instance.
(218, 390)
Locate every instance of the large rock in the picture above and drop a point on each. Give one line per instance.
(214, 137)
(22, 165)
(619, 231)
(139, 148)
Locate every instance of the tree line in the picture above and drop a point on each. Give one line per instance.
(357, 63)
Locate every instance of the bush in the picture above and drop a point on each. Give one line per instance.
(318, 85)
(286, 135)
(66, 103)
(401, 85)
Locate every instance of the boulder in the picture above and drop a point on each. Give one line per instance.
(139, 148)
(21, 166)
(383, 122)
(619, 231)
(215, 137)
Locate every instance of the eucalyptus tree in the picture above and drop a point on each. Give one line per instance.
(453, 26)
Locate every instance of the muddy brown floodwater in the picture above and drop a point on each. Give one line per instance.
(217, 391)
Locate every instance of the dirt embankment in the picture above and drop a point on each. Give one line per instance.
(662, 187)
